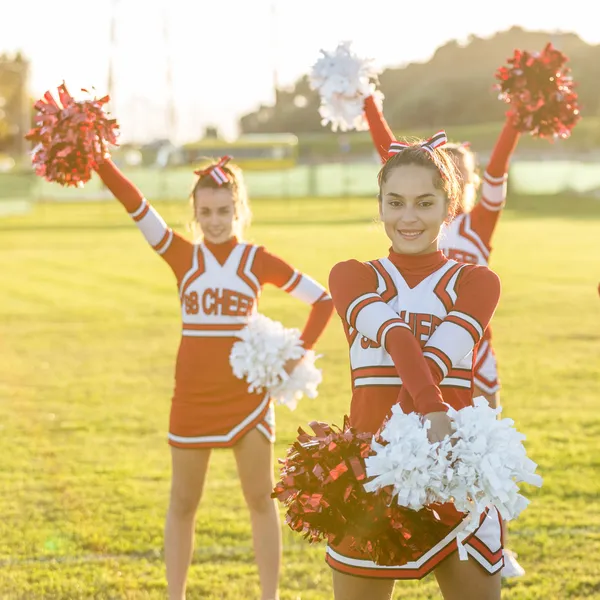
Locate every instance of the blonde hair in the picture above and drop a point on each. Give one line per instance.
(235, 183)
(444, 169)
(465, 157)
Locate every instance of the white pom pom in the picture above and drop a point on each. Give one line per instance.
(478, 466)
(409, 462)
(488, 460)
(261, 354)
(343, 81)
(303, 381)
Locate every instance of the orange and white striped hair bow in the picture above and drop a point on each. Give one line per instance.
(216, 171)
(435, 141)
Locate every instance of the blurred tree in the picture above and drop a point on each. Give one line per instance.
(211, 133)
(455, 87)
(15, 104)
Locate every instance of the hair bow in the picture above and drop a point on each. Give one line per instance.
(216, 171)
(435, 141)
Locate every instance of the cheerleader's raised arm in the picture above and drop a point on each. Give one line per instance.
(176, 250)
(380, 131)
(484, 215)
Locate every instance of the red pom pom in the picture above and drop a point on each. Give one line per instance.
(540, 89)
(322, 485)
(72, 137)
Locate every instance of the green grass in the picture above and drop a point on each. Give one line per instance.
(89, 328)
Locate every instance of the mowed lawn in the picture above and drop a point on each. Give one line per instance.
(89, 328)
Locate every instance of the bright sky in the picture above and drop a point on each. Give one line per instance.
(224, 53)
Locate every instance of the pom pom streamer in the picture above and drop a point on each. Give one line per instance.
(540, 90)
(478, 466)
(71, 137)
(344, 80)
(261, 354)
(488, 461)
(321, 484)
(407, 462)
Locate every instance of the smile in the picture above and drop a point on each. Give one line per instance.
(408, 234)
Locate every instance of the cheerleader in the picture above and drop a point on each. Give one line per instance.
(414, 322)
(219, 281)
(467, 238)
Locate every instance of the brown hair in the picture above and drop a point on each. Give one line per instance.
(462, 154)
(235, 183)
(438, 161)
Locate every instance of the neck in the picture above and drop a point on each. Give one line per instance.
(221, 250)
(418, 263)
(232, 241)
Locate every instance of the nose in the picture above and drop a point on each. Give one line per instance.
(213, 219)
(409, 214)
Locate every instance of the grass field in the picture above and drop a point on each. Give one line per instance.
(88, 333)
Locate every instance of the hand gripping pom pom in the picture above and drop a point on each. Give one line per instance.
(405, 461)
(71, 137)
(344, 80)
(478, 466)
(541, 91)
(322, 486)
(261, 354)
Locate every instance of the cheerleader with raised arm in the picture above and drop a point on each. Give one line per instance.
(219, 279)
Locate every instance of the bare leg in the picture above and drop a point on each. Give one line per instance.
(189, 468)
(254, 457)
(348, 587)
(466, 580)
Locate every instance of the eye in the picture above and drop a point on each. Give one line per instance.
(224, 210)
(204, 212)
(425, 203)
(395, 203)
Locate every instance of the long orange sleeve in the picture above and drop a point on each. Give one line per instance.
(353, 288)
(484, 215)
(274, 270)
(175, 249)
(478, 292)
(477, 296)
(380, 132)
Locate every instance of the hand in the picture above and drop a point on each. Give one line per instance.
(291, 364)
(441, 426)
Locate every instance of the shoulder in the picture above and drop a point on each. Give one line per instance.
(253, 252)
(346, 271)
(261, 255)
(479, 276)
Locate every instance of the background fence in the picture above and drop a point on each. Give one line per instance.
(18, 190)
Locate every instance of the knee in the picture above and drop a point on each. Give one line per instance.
(259, 502)
(183, 504)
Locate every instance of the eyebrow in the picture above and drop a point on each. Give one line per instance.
(394, 195)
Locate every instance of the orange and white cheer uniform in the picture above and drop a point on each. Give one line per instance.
(414, 325)
(467, 237)
(219, 286)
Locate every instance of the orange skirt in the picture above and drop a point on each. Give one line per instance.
(211, 408)
(484, 546)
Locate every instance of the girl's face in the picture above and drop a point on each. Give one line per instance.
(215, 213)
(412, 209)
